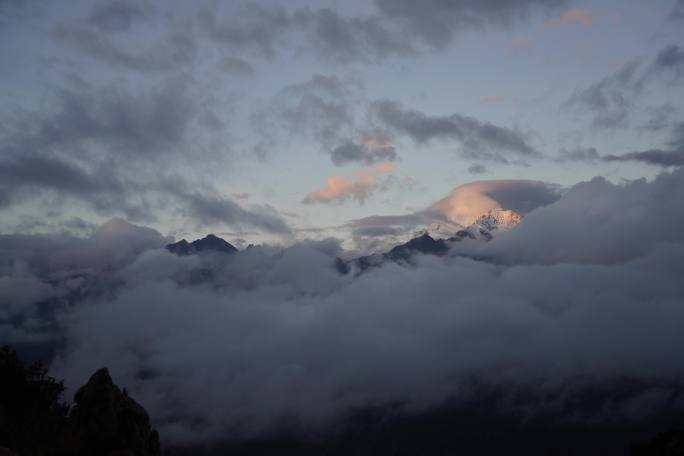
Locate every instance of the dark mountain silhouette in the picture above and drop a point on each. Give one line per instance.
(210, 243)
(34, 421)
(403, 253)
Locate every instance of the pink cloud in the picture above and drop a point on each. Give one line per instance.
(577, 15)
(493, 99)
(359, 187)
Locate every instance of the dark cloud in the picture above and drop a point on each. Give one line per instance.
(524, 196)
(481, 140)
(672, 155)
(343, 39)
(211, 209)
(85, 148)
(436, 22)
(350, 152)
(658, 157)
(117, 15)
(677, 11)
(579, 219)
(105, 149)
(611, 99)
(100, 36)
(584, 291)
(669, 63)
(395, 28)
(14, 11)
(578, 154)
(660, 118)
(237, 67)
(251, 26)
(23, 174)
(321, 109)
(477, 168)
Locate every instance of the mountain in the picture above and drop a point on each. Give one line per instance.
(435, 240)
(210, 243)
(403, 253)
(483, 228)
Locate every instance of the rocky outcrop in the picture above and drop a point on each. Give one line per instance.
(34, 421)
(106, 421)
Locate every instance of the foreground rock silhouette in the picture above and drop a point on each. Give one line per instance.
(106, 420)
(34, 421)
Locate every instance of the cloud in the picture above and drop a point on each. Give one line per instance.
(658, 157)
(576, 295)
(588, 236)
(241, 196)
(137, 125)
(577, 15)
(467, 202)
(584, 292)
(106, 148)
(320, 108)
(493, 99)
(391, 29)
(579, 154)
(360, 187)
(206, 207)
(95, 147)
(460, 208)
(437, 23)
(668, 62)
(101, 37)
(117, 15)
(480, 140)
(670, 156)
(477, 168)
(611, 99)
(677, 12)
(371, 150)
(237, 67)
(15, 11)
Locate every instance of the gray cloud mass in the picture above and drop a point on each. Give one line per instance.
(480, 140)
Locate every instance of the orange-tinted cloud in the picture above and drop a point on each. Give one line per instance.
(577, 15)
(493, 99)
(359, 187)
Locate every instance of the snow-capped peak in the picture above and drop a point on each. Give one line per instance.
(484, 227)
(498, 219)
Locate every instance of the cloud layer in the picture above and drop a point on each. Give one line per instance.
(226, 346)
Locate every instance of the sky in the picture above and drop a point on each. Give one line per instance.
(322, 131)
(266, 121)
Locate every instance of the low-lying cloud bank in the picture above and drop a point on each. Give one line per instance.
(587, 289)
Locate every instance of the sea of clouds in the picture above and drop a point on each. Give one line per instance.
(587, 290)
